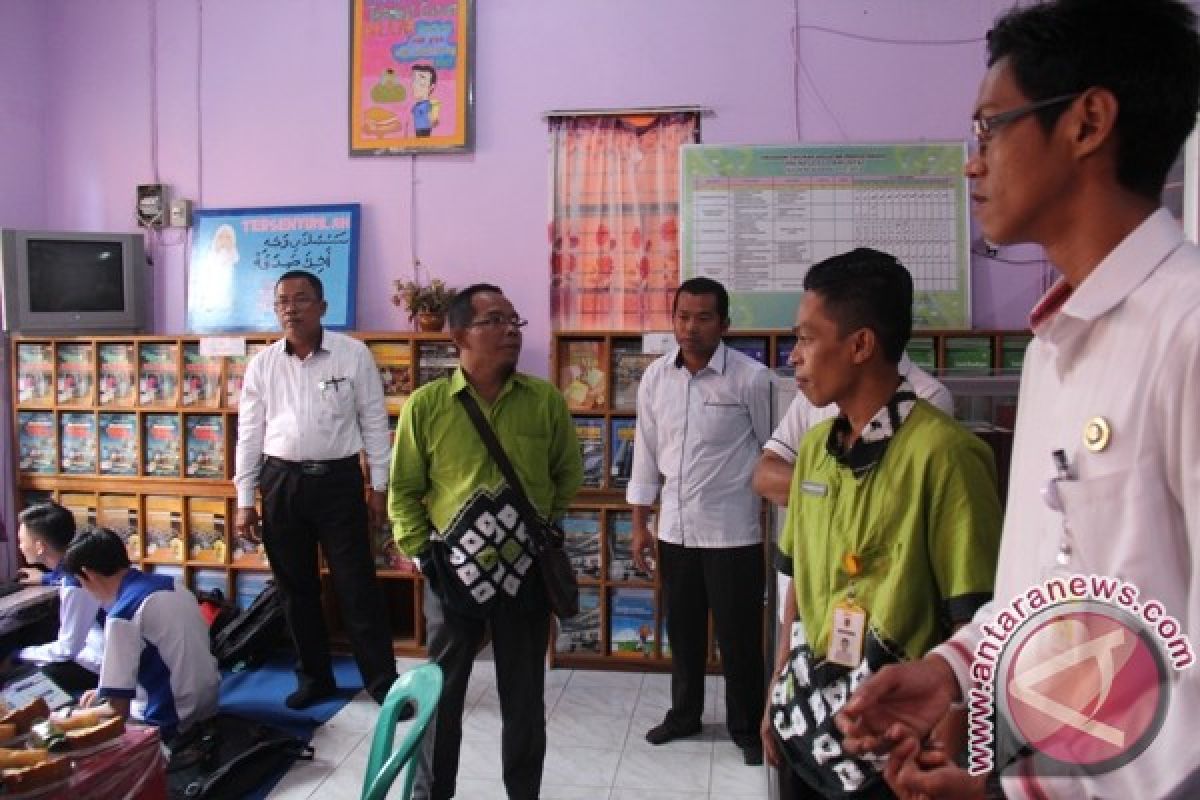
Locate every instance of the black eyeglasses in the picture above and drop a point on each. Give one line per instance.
(984, 127)
(499, 321)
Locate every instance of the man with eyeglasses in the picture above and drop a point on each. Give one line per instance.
(310, 404)
(1083, 109)
(449, 498)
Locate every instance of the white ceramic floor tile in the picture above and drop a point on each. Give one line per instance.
(482, 722)
(480, 758)
(731, 776)
(580, 766)
(568, 729)
(657, 770)
(301, 781)
(598, 701)
(605, 680)
(479, 789)
(658, 794)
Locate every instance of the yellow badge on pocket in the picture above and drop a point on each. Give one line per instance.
(847, 634)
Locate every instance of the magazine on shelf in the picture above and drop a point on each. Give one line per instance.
(783, 350)
(621, 448)
(82, 507)
(581, 633)
(581, 375)
(753, 346)
(35, 374)
(621, 566)
(161, 445)
(248, 586)
(204, 445)
(394, 362)
(201, 378)
(117, 367)
(37, 443)
(235, 372)
(158, 382)
(207, 518)
(77, 442)
(76, 376)
(632, 628)
(118, 442)
(589, 431)
(206, 580)
(582, 530)
(164, 528)
(435, 360)
(628, 367)
(119, 513)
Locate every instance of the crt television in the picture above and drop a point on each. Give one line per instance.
(73, 282)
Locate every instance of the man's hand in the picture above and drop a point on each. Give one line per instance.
(246, 522)
(770, 743)
(87, 699)
(30, 575)
(924, 774)
(643, 545)
(376, 509)
(902, 700)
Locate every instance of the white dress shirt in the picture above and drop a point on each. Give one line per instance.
(1125, 346)
(324, 407)
(698, 438)
(802, 415)
(80, 634)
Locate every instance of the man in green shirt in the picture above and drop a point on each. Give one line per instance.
(893, 521)
(448, 497)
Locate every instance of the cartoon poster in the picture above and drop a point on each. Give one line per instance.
(411, 71)
(238, 254)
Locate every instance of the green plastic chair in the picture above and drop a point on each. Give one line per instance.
(422, 686)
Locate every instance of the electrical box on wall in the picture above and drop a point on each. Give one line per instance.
(181, 214)
(151, 205)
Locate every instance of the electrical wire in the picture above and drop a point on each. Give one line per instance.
(888, 40)
(412, 217)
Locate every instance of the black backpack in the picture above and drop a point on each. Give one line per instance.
(249, 638)
(228, 757)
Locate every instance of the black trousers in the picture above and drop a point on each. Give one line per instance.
(730, 582)
(519, 637)
(301, 512)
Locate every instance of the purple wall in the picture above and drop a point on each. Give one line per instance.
(268, 126)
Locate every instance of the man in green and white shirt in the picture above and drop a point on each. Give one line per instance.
(445, 484)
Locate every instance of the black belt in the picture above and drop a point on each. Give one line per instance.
(315, 469)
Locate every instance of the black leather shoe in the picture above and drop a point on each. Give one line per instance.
(669, 731)
(309, 694)
(752, 755)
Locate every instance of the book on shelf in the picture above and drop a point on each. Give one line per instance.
(208, 580)
(115, 381)
(36, 442)
(201, 378)
(387, 554)
(581, 375)
(206, 529)
(582, 542)
(394, 362)
(632, 629)
(164, 528)
(160, 445)
(158, 382)
(753, 346)
(235, 372)
(581, 633)
(922, 351)
(435, 360)
(204, 446)
(118, 442)
(619, 540)
(76, 377)
(247, 586)
(119, 513)
(35, 374)
(783, 350)
(77, 442)
(628, 367)
(82, 506)
(589, 431)
(621, 449)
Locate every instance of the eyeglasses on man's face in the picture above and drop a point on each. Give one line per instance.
(301, 303)
(499, 321)
(983, 128)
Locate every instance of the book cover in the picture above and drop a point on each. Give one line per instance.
(387, 555)
(235, 372)
(76, 376)
(753, 346)
(632, 628)
(621, 448)
(119, 513)
(590, 433)
(247, 586)
(77, 442)
(36, 442)
(35, 374)
(628, 367)
(204, 446)
(922, 351)
(118, 442)
(582, 544)
(435, 360)
(619, 539)
(581, 633)
(160, 445)
(969, 354)
(208, 580)
(581, 375)
(116, 374)
(201, 378)
(783, 350)
(394, 361)
(164, 528)
(158, 382)
(247, 551)
(206, 529)
(82, 507)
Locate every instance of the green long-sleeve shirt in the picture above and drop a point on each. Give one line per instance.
(439, 461)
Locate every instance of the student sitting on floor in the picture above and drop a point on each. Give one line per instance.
(72, 660)
(156, 643)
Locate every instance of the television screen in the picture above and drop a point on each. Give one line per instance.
(75, 275)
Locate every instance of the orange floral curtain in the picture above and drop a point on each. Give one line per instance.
(614, 226)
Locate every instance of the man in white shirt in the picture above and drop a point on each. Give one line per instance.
(773, 475)
(703, 414)
(310, 404)
(1083, 109)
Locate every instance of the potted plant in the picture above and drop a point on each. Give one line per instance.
(426, 303)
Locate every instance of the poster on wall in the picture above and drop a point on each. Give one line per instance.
(756, 218)
(411, 76)
(238, 254)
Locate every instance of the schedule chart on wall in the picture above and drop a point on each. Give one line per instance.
(756, 218)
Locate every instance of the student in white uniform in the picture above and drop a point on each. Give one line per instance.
(1082, 111)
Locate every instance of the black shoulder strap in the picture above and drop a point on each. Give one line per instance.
(532, 517)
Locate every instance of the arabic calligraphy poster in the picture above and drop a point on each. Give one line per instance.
(238, 254)
(411, 67)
